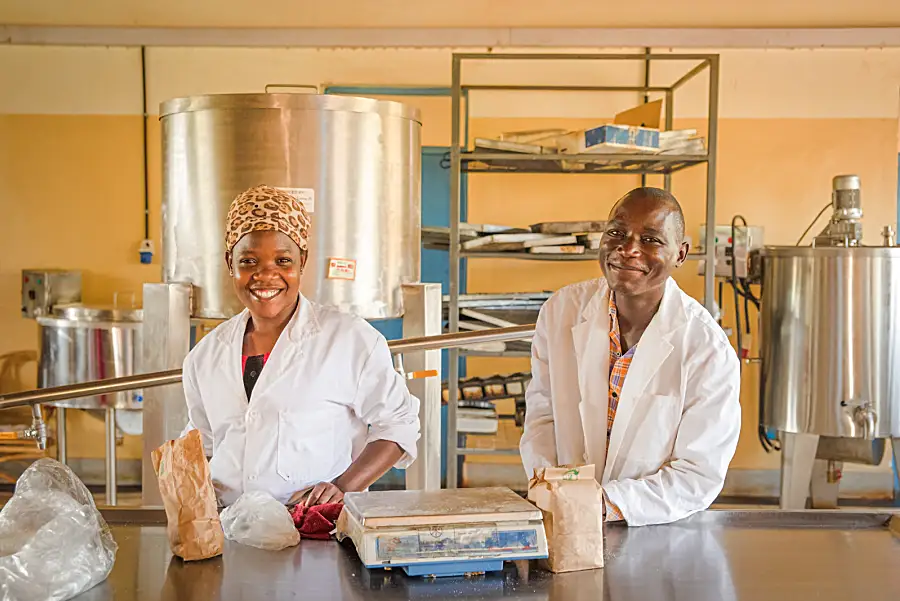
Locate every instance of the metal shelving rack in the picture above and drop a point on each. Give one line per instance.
(473, 162)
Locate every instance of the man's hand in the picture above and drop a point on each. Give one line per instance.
(322, 493)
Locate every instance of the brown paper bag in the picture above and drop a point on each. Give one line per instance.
(189, 498)
(572, 503)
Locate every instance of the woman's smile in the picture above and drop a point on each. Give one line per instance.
(265, 294)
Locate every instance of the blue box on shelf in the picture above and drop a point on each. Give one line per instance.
(610, 138)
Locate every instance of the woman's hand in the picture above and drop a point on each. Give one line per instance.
(376, 458)
(322, 493)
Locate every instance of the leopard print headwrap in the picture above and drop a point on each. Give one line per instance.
(267, 208)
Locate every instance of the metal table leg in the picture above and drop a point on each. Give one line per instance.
(166, 334)
(110, 456)
(422, 306)
(798, 455)
(824, 486)
(895, 448)
(61, 454)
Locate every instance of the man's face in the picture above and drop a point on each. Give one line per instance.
(641, 246)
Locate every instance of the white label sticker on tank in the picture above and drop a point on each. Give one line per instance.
(341, 269)
(306, 196)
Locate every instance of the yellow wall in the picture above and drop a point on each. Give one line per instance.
(70, 157)
(73, 199)
(463, 13)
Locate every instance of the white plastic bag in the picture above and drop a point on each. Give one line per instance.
(54, 544)
(258, 520)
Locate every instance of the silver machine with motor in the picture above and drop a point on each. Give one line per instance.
(81, 342)
(830, 351)
(355, 165)
(44, 289)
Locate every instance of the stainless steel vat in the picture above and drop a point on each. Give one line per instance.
(82, 343)
(358, 159)
(830, 329)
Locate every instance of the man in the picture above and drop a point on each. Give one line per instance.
(632, 375)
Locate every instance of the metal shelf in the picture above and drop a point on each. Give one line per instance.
(471, 353)
(464, 451)
(464, 160)
(589, 255)
(609, 164)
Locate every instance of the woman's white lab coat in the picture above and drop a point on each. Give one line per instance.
(328, 388)
(678, 418)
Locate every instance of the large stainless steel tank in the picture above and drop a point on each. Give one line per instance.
(354, 161)
(82, 343)
(831, 340)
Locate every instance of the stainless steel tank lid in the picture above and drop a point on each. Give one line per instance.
(830, 251)
(98, 313)
(315, 102)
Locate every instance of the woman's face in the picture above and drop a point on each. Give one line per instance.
(265, 267)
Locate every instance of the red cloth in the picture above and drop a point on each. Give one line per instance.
(245, 357)
(318, 521)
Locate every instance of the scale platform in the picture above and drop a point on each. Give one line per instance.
(443, 532)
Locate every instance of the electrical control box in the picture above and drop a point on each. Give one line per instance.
(43, 289)
(746, 240)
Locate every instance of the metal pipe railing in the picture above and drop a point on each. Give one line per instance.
(93, 388)
(173, 376)
(457, 339)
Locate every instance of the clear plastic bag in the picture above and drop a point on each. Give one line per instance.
(258, 520)
(54, 544)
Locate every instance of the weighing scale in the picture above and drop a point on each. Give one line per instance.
(442, 532)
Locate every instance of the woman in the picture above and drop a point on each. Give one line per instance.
(292, 398)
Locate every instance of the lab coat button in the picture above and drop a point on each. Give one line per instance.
(252, 478)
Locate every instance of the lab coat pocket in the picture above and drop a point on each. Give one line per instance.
(305, 446)
(656, 428)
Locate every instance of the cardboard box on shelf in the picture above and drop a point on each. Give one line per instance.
(610, 139)
(634, 130)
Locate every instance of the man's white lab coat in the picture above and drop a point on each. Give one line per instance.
(328, 388)
(678, 418)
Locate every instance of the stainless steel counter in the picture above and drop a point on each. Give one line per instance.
(713, 556)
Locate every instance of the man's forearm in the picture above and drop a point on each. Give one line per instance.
(377, 458)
